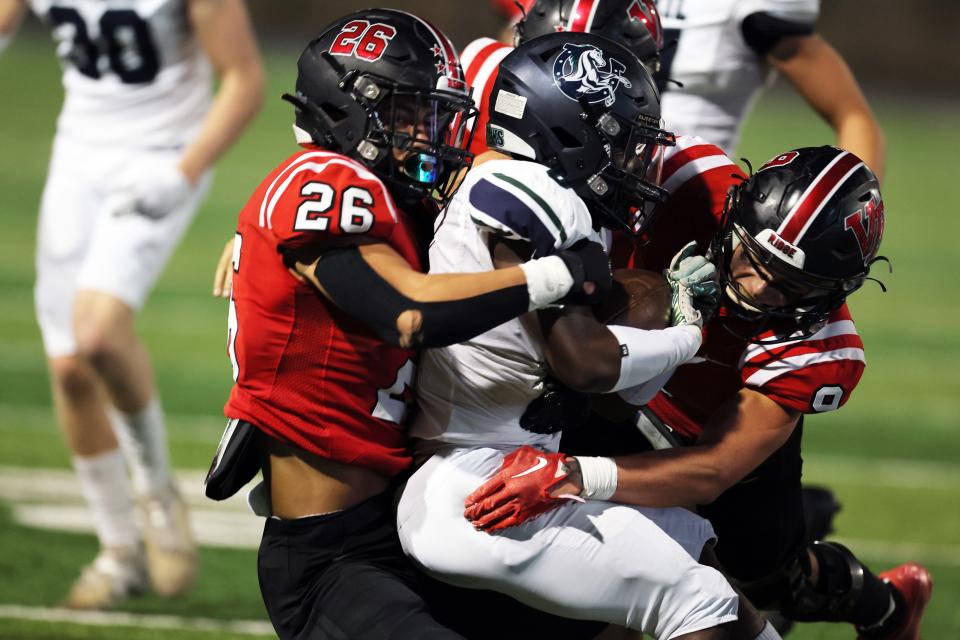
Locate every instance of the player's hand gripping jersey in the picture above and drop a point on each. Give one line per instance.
(810, 375)
(307, 373)
(719, 60)
(474, 393)
(134, 73)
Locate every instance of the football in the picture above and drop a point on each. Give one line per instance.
(639, 299)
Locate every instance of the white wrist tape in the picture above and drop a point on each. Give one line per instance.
(4, 42)
(548, 280)
(599, 477)
(648, 354)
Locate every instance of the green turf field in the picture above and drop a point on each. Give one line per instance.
(892, 453)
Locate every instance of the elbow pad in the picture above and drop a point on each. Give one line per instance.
(648, 354)
(361, 292)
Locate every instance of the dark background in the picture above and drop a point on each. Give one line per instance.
(893, 46)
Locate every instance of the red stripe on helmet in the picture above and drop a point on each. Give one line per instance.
(646, 12)
(451, 61)
(581, 16)
(816, 196)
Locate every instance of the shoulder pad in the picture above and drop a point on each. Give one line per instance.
(812, 374)
(325, 193)
(520, 200)
(692, 157)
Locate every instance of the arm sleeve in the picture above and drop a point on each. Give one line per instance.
(762, 31)
(763, 23)
(343, 273)
(644, 393)
(648, 354)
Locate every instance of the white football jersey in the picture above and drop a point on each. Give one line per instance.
(134, 73)
(720, 73)
(475, 392)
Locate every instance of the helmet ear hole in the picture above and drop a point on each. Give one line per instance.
(566, 138)
(335, 113)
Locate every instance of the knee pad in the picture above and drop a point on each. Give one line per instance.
(789, 590)
(838, 588)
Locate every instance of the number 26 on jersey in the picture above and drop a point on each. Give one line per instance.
(316, 212)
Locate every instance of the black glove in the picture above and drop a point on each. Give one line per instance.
(557, 408)
(587, 262)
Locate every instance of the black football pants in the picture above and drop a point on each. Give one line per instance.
(342, 576)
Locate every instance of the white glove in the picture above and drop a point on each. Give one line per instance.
(155, 196)
(695, 292)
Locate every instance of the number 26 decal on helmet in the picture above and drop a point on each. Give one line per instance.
(363, 40)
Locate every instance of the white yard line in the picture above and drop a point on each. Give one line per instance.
(119, 619)
(51, 499)
(884, 472)
(892, 553)
(183, 427)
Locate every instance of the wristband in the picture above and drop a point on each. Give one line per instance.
(4, 42)
(548, 280)
(599, 477)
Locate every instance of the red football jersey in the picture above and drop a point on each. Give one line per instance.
(811, 375)
(307, 373)
(481, 60)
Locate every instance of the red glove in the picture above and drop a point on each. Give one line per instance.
(519, 491)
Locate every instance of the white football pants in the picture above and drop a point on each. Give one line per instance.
(625, 565)
(82, 245)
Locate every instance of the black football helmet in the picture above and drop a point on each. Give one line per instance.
(809, 220)
(385, 87)
(585, 107)
(633, 23)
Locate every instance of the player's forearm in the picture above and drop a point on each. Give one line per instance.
(11, 15)
(364, 282)
(590, 357)
(861, 134)
(444, 287)
(823, 78)
(237, 101)
(686, 476)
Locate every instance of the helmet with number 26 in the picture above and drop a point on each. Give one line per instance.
(809, 222)
(386, 88)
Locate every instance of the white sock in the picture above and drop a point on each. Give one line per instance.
(768, 633)
(105, 485)
(143, 438)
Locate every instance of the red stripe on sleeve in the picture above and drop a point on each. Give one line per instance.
(682, 157)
